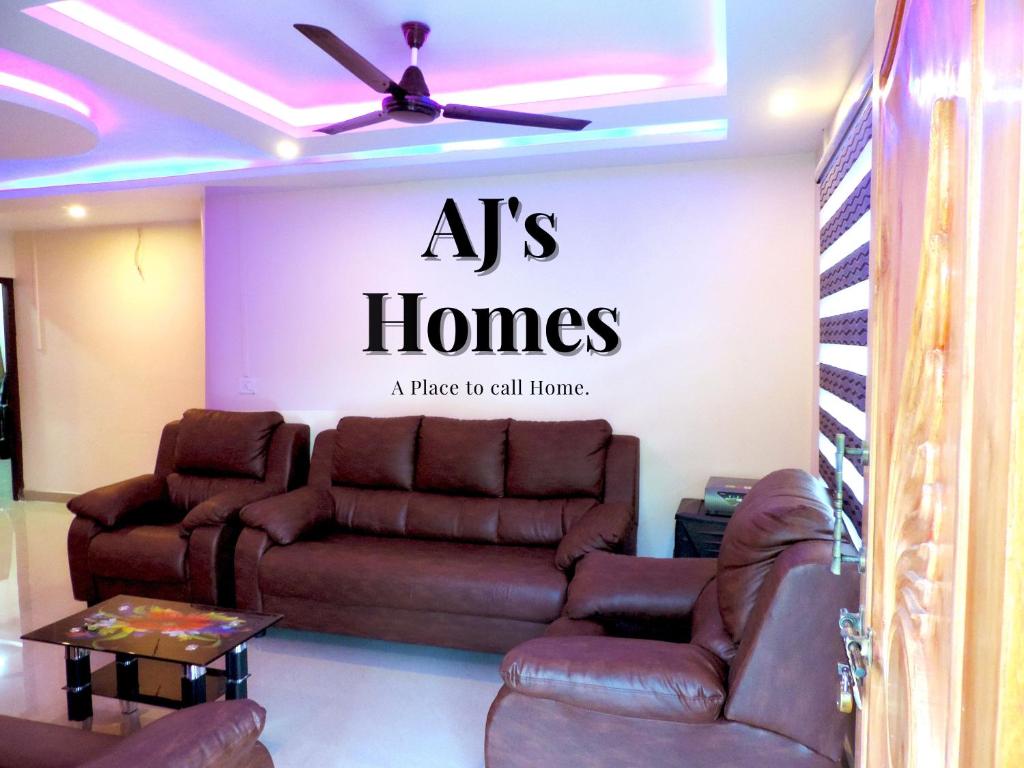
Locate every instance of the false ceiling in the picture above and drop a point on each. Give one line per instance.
(103, 94)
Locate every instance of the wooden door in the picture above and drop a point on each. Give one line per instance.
(943, 585)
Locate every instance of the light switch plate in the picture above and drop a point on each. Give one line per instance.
(247, 385)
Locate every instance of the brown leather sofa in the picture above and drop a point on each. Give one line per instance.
(439, 531)
(171, 534)
(691, 663)
(220, 734)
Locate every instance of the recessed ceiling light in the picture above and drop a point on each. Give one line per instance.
(785, 102)
(287, 149)
(77, 211)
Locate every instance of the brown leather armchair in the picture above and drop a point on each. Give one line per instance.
(171, 534)
(691, 663)
(220, 734)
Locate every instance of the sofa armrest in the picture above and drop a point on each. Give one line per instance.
(218, 733)
(608, 586)
(250, 548)
(602, 527)
(622, 481)
(80, 535)
(110, 504)
(224, 507)
(634, 678)
(292, 516)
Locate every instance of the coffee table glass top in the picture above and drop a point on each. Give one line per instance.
(156, 629)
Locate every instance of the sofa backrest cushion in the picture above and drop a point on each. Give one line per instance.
(224, 442)
(462, 456)
(553, 459)
(461, 470)
(375, 453)
(523, 522)
(782, 509)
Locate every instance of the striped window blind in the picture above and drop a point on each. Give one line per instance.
(844, 220)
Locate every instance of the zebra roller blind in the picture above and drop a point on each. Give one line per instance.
(844, 221)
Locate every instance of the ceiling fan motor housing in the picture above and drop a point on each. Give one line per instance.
(415, 106)
(411, 109)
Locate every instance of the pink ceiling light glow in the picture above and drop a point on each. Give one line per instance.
(131, 40)
(25, 75)
(43, 91)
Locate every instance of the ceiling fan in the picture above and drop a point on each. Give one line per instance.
(408, 100)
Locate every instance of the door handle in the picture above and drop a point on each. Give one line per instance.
(838, 558)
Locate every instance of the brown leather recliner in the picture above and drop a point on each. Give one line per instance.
(439, 531)
(220, 734)
(172, 534)
(691, 663)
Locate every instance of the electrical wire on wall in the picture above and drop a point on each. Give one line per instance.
(138, 253)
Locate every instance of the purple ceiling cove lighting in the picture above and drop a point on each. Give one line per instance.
(27, 76)
(170, 47)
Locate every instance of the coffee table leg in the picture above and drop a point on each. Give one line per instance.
(79, 684)
(193, 685)
(127, 670)
(237, 668)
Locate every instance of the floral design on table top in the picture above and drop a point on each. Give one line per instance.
(201, 629)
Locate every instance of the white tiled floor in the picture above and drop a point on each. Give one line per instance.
(331, 701)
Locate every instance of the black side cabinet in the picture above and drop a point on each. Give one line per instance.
(697, 534)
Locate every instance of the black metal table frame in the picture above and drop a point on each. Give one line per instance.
(79, 689)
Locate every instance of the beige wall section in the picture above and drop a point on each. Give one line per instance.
(6, 254)
(107, 355)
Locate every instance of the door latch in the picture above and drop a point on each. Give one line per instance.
(857, 641)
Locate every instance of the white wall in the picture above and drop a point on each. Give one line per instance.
(710, 264)
(106, 356)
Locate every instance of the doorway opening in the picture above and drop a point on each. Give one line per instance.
(12, 482)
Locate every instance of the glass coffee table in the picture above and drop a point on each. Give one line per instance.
(162, 652)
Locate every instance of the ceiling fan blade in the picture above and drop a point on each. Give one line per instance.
(488, 115)
(356, 122)
(350, 59)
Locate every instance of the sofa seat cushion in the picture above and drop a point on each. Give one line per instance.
(188, 491)
(140, 553)
(414, 574)
(530, 522)
(619, 676)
